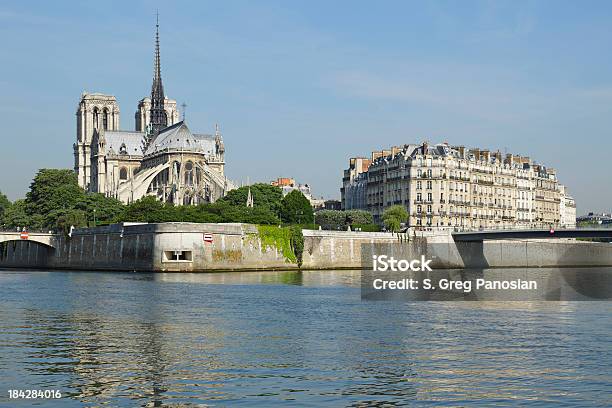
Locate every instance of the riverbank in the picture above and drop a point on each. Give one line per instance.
(191, 247)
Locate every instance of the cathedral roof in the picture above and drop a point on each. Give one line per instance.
(132, 141)
(207, 142)
(177, 137)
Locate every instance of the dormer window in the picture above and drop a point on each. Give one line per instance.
(123, 149)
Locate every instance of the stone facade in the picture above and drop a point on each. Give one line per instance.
(164, 159)
(567, 208)
(448, 187)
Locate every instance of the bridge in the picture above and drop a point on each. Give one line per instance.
(38, 237)
(485, 235)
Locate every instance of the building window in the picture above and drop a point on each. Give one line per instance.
(419, 185)
(419, 209)
(95, 118)
(429, 173)
(429, 209)
(189, 173)
(429, 197)
(123, 173)
(429, 185)
(105, 119)
(419, 197)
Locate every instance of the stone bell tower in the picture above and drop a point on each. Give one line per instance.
(96, 112)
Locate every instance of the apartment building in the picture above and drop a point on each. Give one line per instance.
(451, 187)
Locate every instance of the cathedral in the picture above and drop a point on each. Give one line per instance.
(161, 157)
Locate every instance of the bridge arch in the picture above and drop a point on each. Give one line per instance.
(47, 240)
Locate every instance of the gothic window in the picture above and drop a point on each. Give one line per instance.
(189, 173)
(95, 118)
(123, 173)
(105, 119)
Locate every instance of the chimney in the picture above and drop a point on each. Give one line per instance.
(376, 155)
(487, 155)
(476, 153)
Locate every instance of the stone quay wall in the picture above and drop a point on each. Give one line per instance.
(190, 247)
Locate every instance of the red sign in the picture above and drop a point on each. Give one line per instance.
(208, 237)
(552, 231)
(24, 235)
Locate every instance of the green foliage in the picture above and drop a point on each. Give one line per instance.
(51, 191)
(331, 219)
(56, 199)
(147, 209)
(288, 240)
(358, 217)
(340, 220)
(264, 195)
(72, 217)
(4, 204)
(297, 243)
(296, 209)
(15, 215)
(394, 216)
(278, 237)
(107, 209)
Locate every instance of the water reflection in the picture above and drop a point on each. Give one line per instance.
(274, 338)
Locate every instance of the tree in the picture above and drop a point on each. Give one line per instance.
(296, 209)
(105, 209)
(148, 209)
(394, 216)
(358, 217)
(15, 215)
(331, 219)
(4, 204)
(71, 218)
(264, 195)
(53, 189)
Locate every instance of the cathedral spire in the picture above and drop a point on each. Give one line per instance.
(159, 120)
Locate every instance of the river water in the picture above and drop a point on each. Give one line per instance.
(289, 338)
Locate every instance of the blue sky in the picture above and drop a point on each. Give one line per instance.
(298, 87)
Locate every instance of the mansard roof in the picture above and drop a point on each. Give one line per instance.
(133, 141)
